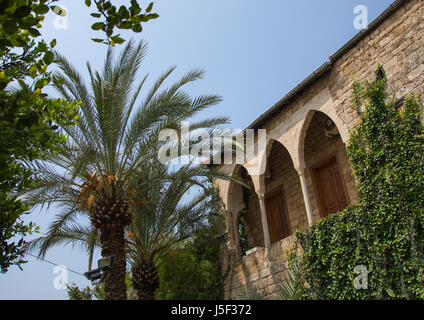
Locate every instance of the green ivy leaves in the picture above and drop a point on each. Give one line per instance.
(385, 230)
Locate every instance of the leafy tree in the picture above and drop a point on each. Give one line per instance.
(167, 221)
(192, 270)
(75, 293)
(100, 164)
(29, 119)
(97, 291)
(121, 18)
(184, 277)
(29, 124)
(28, 128)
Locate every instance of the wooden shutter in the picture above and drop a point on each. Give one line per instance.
(278, 224)
(330, 188)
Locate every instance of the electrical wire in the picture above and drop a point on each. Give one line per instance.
(76, 272)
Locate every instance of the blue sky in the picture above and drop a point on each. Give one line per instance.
(254, 52)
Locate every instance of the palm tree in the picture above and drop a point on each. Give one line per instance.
(293, 286)
(175, 214)
(93, 176)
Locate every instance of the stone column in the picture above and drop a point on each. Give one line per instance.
(264, 219)
(305, 192)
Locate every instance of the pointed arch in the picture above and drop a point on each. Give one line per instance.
(263, 159)
(244, 203)
(304, 129)
(324, 161)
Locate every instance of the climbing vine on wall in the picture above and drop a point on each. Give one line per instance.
(384, 232)
(242, 221)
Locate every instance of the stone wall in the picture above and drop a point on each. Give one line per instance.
(259, 269)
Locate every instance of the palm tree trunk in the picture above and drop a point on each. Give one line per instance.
(113, 245)
(145, 280)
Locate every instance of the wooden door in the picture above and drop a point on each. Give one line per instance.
(330, 186)
(278, 222)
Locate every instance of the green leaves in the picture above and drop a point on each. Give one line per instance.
(150, 16)
(48, 57)
(205, 281)
(10, 227)
(22, 12)
(34, 32)
(123, 12)
(384, 230)
(117, 39)
(97, 25)
(40, 8)
(150, 7)
(28, 125)
(10, 26)
(125, 25)
(33, 71)
(41, 83)
(136, 28)
(28, 119)
(122, 18)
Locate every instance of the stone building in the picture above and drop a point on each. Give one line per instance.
(307, 174)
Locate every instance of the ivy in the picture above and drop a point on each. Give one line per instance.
(384, 230)
(242, 220)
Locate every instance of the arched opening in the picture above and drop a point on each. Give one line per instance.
(331, 185)
(244, 206)
(283, 199)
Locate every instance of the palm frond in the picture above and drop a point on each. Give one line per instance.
(59, 233)
(291, 287)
